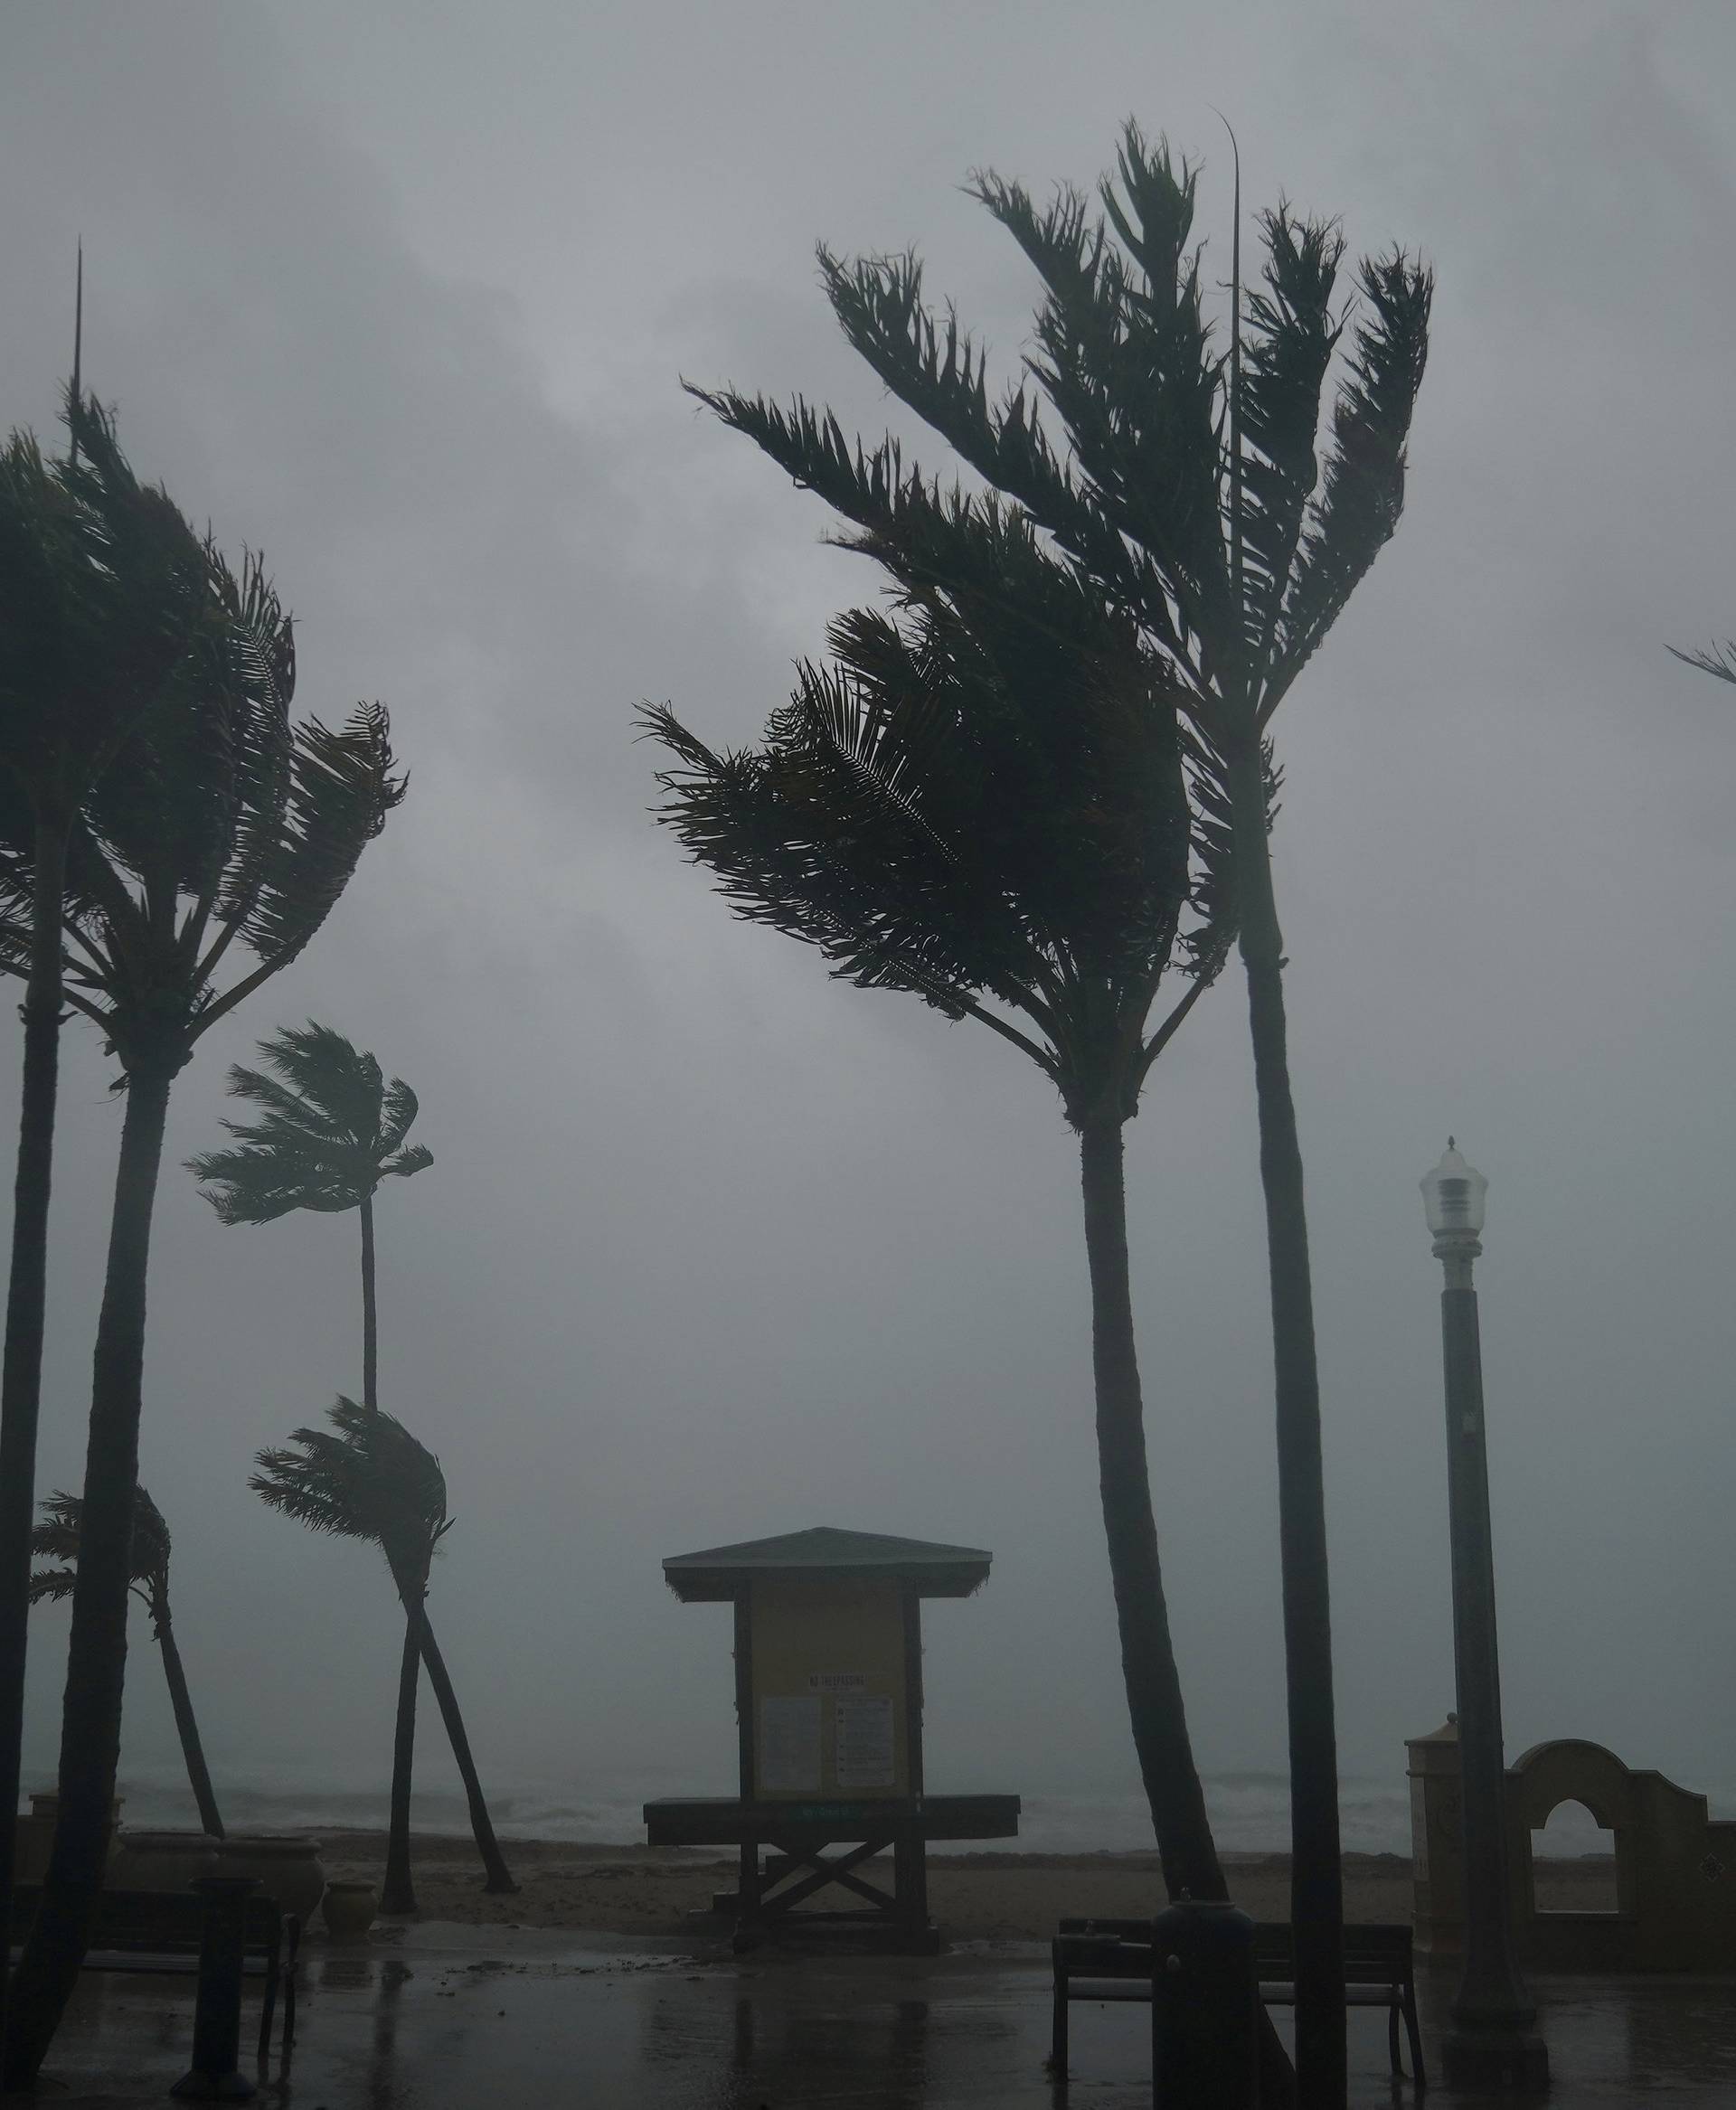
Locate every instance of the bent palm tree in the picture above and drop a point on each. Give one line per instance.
(57, 1538)
(105, 586)
(222, 827)
(372, 1480)
(331, 1130)
(984, 802)
(1186, 484)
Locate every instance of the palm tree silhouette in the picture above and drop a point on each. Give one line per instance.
(331, 1128)
(1186, 484)
(372, 1480)
(105, 586)
(983, 801)
(57, 1538)
(221, 828)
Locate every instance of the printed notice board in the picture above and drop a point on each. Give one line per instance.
(863, 1754)
(789, 1745)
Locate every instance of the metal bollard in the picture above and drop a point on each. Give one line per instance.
(215, 2075)
(1205, 2009)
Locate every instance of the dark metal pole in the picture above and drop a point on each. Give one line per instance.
(1492, 2044)
(215, 2075)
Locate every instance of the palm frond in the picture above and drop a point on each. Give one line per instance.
(59, 1536)
(366, 1478)
(330, 1129)
(342, 787)
(1719, 660)
(1363, 490)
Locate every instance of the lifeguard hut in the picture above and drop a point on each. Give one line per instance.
(828, 1701)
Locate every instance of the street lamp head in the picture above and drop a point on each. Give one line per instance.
(1452, 1197)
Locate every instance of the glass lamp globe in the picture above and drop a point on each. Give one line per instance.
(1452, 1196)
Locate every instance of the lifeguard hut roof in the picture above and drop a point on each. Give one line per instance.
(823, 1554)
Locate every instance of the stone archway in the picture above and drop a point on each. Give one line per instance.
(1675, 1866)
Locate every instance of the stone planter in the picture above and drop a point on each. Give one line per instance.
(349, 1911)
(162, 1860)
(286, 1863)
(35, 1835)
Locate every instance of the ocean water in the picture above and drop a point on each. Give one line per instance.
(1250, 1811)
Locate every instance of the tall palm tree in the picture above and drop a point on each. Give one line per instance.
(372, 1480)
(222, 829)
(983, 801)
(103, 587)
(331, 1129)
(1186, 482)
(57, 1538)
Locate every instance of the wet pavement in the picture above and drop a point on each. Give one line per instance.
(449, 2018)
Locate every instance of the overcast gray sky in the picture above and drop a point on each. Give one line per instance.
(714, 1247)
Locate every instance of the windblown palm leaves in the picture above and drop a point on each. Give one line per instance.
(330, 1129)
(59, 1538)
(369, 1478)
(366, 1478)
(1183, 476)
(981, 801)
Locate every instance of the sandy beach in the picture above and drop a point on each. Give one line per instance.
(647, 1891)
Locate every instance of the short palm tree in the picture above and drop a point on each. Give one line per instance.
(1185, 480)
(222, 829)
(372, 1480)
(103, 587)
(57, 1538)
(331, 1129)
(983, 801)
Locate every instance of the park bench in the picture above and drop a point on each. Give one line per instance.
(1111, 1959)
(159, 1931)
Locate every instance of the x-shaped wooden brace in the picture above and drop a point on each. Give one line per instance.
(772, 1899)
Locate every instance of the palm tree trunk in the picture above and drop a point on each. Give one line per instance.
(398, 1894)
(21, 1377)
(1165, 1752)
(499, 1875)
(97, 1655)
(1160, 1737)
(186, 1728)
(1316, 1878)
(370, 1314)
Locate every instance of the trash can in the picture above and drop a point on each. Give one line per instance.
(1205, 2009)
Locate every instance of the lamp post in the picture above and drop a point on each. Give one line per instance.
(1492, 2043)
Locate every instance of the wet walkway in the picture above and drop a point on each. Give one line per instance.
(467, 2018)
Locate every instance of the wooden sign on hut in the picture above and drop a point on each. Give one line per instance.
(828, 1698)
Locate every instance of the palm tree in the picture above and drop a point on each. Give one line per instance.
(1186, 484)
(983, 801)
(105, 587)
(373, 1481)
(331, 1130)
(57, 1538)
(221, 828)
